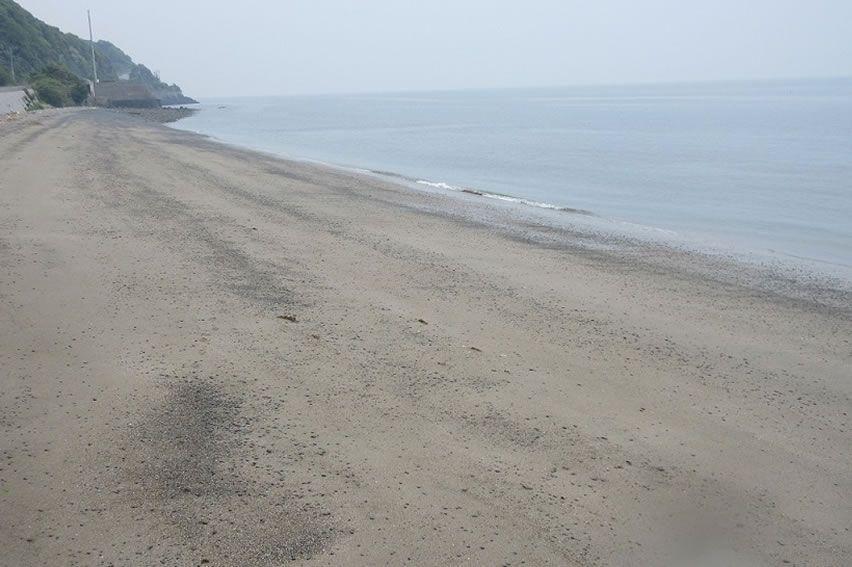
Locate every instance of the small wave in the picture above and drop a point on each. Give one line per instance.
(392, 175)
(645, 227)
(439, 185)
(507, 198)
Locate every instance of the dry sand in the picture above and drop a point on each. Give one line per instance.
(212, 356)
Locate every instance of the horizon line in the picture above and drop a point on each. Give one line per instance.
(783, 79)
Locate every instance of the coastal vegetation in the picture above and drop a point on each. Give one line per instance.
(57, 86)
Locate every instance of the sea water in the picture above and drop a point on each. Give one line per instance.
(760, 167)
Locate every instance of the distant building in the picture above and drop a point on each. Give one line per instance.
(12, 99)
(124, 94)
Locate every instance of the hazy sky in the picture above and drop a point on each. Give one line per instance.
(254, 47)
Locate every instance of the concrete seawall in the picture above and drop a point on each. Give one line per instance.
(12, 100)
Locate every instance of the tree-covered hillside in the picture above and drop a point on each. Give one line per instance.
(35, 45)
(120, 62)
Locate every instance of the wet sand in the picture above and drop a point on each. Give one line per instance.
(213, 356)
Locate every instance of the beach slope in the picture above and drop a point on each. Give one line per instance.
(215, 356)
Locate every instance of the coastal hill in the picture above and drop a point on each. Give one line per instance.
(35, 45)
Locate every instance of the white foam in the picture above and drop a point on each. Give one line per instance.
(507, 198)
(523, 201)
(440, 185)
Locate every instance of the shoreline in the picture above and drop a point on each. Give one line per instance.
(796, 278)
(162, 115)
(712, 209)
(214, 355)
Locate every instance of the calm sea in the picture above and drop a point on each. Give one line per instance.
(758, 167)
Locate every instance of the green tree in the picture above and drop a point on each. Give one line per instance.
(57, 86)
(51, 91)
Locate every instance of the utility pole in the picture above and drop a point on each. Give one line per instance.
(11, 53)
(12, 64)
(92, 42)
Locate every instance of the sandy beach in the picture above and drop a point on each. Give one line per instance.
(214, 356)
